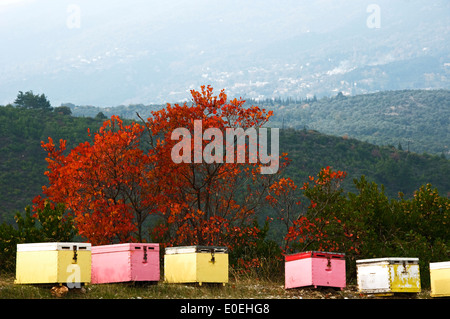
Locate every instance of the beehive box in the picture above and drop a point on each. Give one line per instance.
(314, 268)
(196, 264)
(388, 275)
(125, 263)
(54, 262)
(440, 279)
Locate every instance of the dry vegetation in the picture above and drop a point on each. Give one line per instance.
(237, 288)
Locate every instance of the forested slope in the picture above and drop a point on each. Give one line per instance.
(398, 170)
(22, 160)
(415, 119)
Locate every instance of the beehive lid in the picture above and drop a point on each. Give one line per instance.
(440, 265)
(53, 246)
(315, 254)
(389, 260)
(196, 249)
(124, 247)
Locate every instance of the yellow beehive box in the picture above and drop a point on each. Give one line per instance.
(196, 264)
(388, 275)
(56, 262)
(440, 279)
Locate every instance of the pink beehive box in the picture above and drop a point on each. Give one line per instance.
(315, 268)
(125, 263)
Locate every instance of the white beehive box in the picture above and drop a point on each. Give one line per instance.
(388, 275)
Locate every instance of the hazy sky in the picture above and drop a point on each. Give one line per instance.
(53, 45)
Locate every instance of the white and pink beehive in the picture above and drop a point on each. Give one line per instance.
(125, 262)
(315, 268)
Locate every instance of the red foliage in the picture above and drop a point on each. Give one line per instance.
(201, 198)
(102, 183)
(319, 227)
(111, 185)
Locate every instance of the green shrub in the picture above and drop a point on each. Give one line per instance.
(47, 224)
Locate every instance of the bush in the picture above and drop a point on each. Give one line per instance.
(263, 260)
(47, 224)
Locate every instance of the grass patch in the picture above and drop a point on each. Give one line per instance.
(244, 287)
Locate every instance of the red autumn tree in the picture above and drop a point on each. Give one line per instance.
(211, 193)
(206, 197)
(327, 225)
(284, 199)
(106, 184)
(319, 225)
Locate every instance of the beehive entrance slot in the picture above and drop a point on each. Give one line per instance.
(404, 271)
(75, 254)
(213, 259)
(145, 254)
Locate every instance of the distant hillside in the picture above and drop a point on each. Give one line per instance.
(397, 170)
(22, 161)
(418, 120)
(415, 119)
(124, 111)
